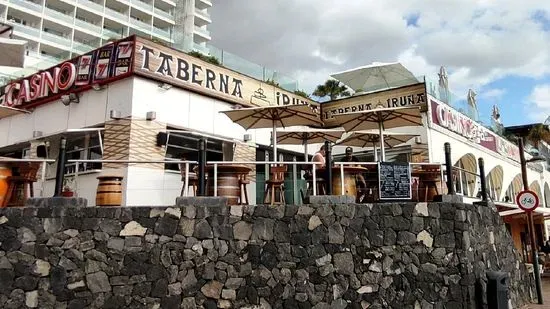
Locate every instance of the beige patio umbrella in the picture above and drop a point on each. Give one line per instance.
(274, 117)
(381, 118)
(307, 135)
(367, 138)
(376, 76)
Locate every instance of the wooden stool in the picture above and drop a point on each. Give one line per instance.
(193, 183)
(276, 182)
(243, 182)
(21, 185)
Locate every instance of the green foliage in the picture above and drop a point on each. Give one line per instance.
(301, 93)
(537, 134)
(272, 82)
(209, 59)
(331, 88)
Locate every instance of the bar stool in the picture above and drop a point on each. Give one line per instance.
(243, 182)
(275, 184)
(21, 184)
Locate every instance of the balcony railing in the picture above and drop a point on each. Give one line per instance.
(91, 5)
(28, 5)
(140, 25)
(87, 25)
(161, 32)
(164, 14)
(25, 29)
(54, 38)
(202, 31)
(142, 5)
(203, 14)
(111, 33)
(117, 16)
(58, 15)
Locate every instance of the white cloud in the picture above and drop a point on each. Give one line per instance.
(538, 103)
(494, 93)
(478, 41)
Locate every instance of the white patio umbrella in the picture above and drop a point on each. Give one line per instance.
(308, 135)
(274, 117)
(376, 76)
(381, 118)
(367, 138)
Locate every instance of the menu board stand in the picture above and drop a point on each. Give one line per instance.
(394, 181)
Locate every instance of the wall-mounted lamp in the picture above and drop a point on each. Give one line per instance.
(150, 116)
(165, 86)
(114, 114)
(247, 137)
(67, 99)
(37, 134)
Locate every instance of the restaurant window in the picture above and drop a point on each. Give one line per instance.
(181, 145)
(84, 147)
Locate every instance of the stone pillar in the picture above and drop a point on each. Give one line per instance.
(246, 152)
(116, 142)
(143, 143)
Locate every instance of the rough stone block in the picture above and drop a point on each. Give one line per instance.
(330, 199)
(56, 202)
(195, 201)
(447, 198)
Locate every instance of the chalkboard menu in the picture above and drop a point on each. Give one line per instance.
(394, 180)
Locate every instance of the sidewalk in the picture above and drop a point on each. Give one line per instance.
(545, 296)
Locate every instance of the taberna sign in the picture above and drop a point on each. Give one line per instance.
(39, 85)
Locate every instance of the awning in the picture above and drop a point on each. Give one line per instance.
(10, 111)
(515, 210)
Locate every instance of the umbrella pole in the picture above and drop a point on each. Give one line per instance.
(382, 151)
(305, 147)
(375, 152)
(274, 142)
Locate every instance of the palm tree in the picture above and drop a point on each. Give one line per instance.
(301, 93)
(331, 88)
(538, 133)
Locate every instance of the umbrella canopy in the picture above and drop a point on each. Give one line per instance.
(376, 76)
(381, 118)
(393, 117)
(301, 135)
(6, 111)
(274, 117)
(368, 138)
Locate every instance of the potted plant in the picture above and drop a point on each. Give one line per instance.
(67, 188)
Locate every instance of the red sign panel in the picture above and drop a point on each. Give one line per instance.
(110, 62)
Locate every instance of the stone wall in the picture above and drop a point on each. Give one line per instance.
(319, 256)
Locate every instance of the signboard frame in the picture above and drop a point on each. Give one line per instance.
(409, 197)
(519, 198)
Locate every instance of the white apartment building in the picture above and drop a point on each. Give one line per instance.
(60, 29)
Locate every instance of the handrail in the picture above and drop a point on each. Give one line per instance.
(216, 163)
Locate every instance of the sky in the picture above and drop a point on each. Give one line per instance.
(498, 48)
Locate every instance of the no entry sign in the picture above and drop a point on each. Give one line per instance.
(527, 200)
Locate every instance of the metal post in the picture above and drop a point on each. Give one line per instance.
(482, 179)
(342, 184)
(60, 172)
(532, 236)
(328, 168)
(295, 181)
(449, 170)
(202, 167)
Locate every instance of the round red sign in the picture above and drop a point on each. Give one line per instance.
(527, 200)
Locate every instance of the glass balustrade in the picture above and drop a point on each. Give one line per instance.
(202, 31)
(111, 33)
(140, 25)
(57, 39)
(58, 15)
(143, 5)
(91, 5)
(164, 14)
(161, 32)
(203, 14)
(28, 5)
(24, 29)
(86, 25)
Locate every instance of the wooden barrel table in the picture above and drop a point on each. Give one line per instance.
(350, 177)
(109, 191)
(228, 181)
(5, 172)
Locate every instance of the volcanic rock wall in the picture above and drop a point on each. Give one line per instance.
(396, 255)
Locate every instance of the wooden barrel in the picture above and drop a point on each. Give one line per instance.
(228, 186)
(350, 187)
(109, 191)
(5, 172)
